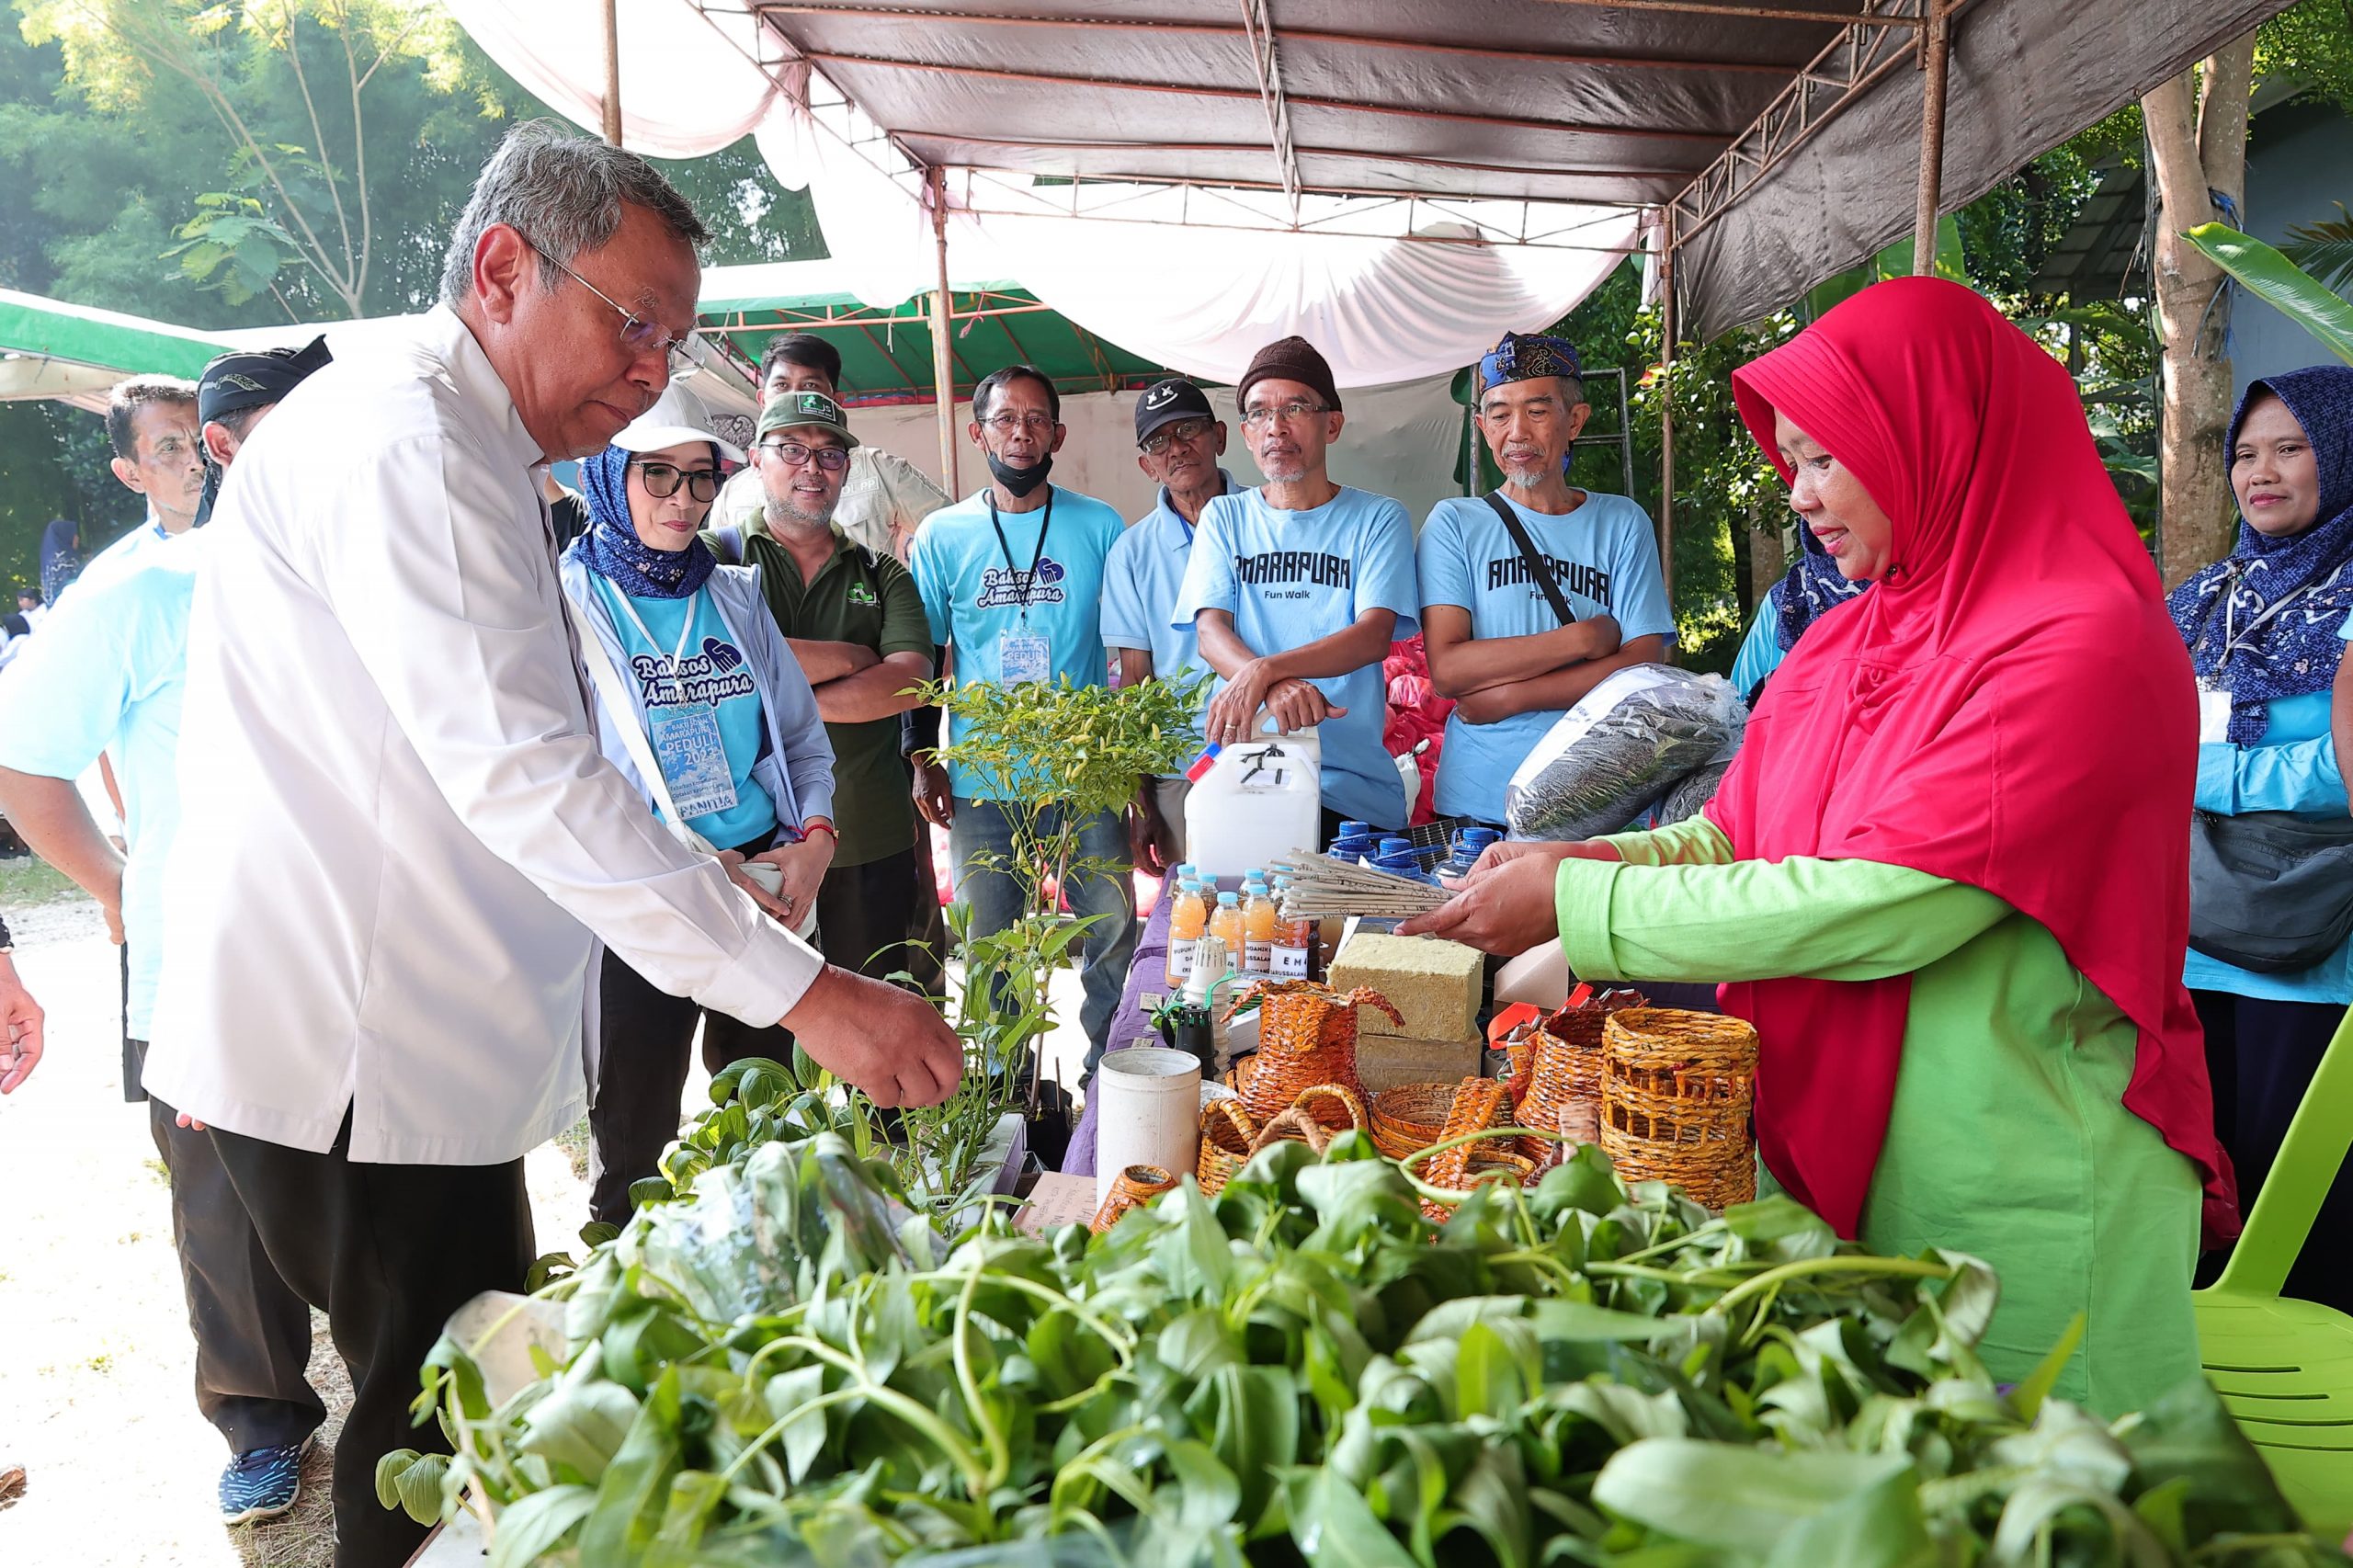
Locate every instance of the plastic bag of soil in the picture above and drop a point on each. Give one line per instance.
(1683, 801)
(1609, 759)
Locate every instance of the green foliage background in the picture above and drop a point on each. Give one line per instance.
(103, 163)
(99, 166)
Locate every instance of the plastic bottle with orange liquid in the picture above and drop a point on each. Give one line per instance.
(1189, 917)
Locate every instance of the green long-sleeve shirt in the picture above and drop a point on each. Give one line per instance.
(2008, 1139)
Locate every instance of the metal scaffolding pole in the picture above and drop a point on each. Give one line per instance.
(943, 376)
(1936, 48)
(613, 72)
(1668, 326)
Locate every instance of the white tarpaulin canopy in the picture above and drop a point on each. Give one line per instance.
(1390, 290)
(1783, 139)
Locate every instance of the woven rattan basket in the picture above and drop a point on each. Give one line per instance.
(1131, 1188)
(1411, 1117)
(1227, 1132)
(1563, 1068)
(1307, 1036)
(1513, 1170)
(1676, 1090)
(1321, 1113)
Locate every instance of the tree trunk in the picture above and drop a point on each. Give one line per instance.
(2196, 152)
(1766, 558)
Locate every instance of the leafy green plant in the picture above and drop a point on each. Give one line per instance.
(2271, 277)
(786, 1369)
(2324, 248)
(1050, 756)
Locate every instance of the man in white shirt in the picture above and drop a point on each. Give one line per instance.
(29, 605)
(158, 453)
(375, 964)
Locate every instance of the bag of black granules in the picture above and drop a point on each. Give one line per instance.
(1612, 757)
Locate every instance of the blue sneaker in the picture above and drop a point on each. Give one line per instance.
(262, 1484)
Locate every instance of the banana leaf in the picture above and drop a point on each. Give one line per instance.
(2280, 282)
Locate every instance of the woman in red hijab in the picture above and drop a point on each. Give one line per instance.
(1947, 876)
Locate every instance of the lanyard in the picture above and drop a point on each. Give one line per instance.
(2231, 638)
(1029, 585)
(677, 654)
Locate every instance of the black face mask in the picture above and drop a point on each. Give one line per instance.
(1020, 482)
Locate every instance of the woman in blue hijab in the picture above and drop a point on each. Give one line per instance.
(1809, 590)
(2263, 629)
(701, 705)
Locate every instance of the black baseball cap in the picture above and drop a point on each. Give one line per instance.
(1164, 402)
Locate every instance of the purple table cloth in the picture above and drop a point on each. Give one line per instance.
(1147, 973)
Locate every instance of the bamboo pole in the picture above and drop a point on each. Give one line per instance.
(613, 72)
(1936, 49)
(943, 378)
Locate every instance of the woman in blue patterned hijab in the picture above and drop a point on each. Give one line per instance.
(2263, 630)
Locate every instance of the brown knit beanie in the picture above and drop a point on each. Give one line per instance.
(1291, 359)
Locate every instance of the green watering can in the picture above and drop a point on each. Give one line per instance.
(2284, 1368)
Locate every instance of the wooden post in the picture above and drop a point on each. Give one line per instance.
(943, 373)
(613, 72)
(1936, 47)
(1668, 326)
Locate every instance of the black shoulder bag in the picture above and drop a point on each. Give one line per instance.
(1537, 567)
(2269, 892)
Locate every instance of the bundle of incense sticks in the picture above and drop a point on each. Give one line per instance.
(1320, 887)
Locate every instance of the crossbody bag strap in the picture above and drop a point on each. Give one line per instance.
(622, 710)
(1537, 567)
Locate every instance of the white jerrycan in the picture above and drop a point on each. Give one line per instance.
(1261, 800)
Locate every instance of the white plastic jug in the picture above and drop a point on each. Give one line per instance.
(1260, 802)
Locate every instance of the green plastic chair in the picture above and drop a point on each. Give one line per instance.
(2284, 1368)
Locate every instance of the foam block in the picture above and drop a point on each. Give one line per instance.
(1434, 985)
(1383, 1061)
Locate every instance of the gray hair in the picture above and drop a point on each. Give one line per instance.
(564, 194)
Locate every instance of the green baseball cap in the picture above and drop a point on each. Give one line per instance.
(790, 410)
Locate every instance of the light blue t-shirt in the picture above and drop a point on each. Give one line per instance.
(1289, 578)
(1603, 556)
(1141, 582)
(105, 675)
(982, 601)
(121, 558)
(1760, 652)
(712, 675)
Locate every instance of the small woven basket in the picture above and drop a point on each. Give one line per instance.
(1563, 1068)
(1310, 1119)
(1477, 1102)
(1411, 1117)
(1227, 1133)
(1296, 1016)
(1677, 1092)
(1131, 1188)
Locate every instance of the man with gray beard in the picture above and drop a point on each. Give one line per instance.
(855, 620)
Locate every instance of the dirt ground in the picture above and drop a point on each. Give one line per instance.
(95, 1354)
(95, 1360)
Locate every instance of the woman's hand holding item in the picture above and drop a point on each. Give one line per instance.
(804, 865)
(1505, 906)
(770, 904)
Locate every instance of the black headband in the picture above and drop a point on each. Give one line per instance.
(234, 382)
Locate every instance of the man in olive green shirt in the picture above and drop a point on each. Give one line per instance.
(855, 620)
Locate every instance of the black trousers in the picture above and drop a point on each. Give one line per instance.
(252, 1330)
(647, 1034)
(2261, 1057)
(926, 925)
(864, 916)
(388, 1253)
